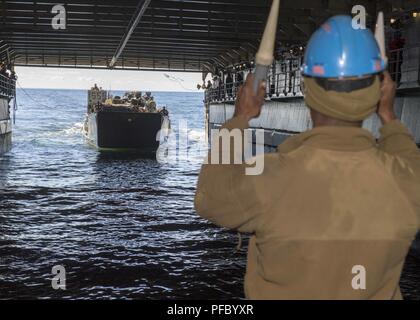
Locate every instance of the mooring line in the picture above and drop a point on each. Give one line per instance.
(29, 96)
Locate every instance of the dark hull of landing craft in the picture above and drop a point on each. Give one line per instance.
(124, 131)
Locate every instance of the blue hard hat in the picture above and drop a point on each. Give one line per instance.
(338, 50)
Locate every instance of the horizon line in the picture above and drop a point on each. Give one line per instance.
(126, 90)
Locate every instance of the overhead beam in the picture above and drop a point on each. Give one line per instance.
(131, 27)
(195, 35)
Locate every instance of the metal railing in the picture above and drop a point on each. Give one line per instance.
(224, 92)
(396, 58)
(285, 78)
(7, 86)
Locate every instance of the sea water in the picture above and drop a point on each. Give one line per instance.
(122, 226)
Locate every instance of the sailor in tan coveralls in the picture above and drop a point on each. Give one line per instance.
(333, 204)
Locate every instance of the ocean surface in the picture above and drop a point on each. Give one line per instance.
(124, 227)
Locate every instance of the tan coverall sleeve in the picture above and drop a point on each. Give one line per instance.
(397, 141)
(225, 194)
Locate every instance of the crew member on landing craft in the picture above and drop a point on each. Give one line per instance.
(335, 211)
(151, 106)
(148, 96)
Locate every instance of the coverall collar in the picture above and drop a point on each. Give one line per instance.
(331, 138)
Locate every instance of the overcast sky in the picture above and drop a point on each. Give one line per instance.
(54, 78)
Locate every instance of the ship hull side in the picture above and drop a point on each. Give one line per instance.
(5, 127)
(5, 143)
